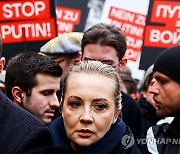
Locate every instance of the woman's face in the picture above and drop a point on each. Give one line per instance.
(88, 109)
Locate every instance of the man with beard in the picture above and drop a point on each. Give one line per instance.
(166, 90)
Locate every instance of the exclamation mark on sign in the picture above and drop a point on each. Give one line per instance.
(48, 30)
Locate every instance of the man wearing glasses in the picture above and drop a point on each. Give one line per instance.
(107, 44)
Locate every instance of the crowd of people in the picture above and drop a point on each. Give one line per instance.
(76, 95)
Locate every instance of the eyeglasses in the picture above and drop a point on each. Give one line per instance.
(116, 64)
(106, 62)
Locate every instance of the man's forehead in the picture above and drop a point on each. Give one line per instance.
(100, 52)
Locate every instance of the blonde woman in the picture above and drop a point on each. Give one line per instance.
(91, 104)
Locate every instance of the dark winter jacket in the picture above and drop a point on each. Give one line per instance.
(149, 115)
(131, 115)
(111, 143)
(20, 131)
(166, 138)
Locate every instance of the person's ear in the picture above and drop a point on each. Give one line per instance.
(116, 116)
(2, 63)
(79, 56)
(143, 93)
(18, 95)
(123, 63)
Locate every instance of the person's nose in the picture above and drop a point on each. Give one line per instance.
(54, 102)
(86, 116)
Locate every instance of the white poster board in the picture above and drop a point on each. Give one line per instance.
(130, 16)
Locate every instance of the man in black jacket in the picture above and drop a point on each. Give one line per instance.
(166, 90)
(20, 131)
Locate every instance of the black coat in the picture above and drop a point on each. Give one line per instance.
(167, 138)
(111, 143)
(150, 117)
(20, 131)
(131, 115)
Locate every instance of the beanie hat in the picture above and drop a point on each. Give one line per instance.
(65, 43)
(168, 63)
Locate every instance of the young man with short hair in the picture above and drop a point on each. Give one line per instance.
(20, 131)
(32, 81)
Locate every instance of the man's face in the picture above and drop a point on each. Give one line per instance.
(166, 95)
(105, 54)
(43, 99)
